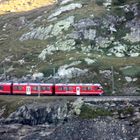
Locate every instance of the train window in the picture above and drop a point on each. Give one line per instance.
(17, 87)
(60, 88)
(97, 88)
(68, 88)
(65, 88)
(35, 88)
(1, 87)
(48, 88)
(86, 88)
(45, 88)
(89, 88)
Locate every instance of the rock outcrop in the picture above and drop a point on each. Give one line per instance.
(35, 114)
(64, 120)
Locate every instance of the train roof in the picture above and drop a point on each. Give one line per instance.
(4, 83)
(33, 84)
(79, 84)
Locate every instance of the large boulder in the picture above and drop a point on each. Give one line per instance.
(60, 45)
(38, 75)
(65, 8)
(62, 25)
(118, 50)
(40, 33)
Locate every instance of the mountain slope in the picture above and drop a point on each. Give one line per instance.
(81, 39)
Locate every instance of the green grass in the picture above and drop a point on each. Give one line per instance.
(125, 111)
(133, 71)
(88, 112)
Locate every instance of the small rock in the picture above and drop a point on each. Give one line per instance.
(128, 79)
(38, 76)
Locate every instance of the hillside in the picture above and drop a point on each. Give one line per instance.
(81, 39)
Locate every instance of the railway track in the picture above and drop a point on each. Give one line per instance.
(84, 98)
(112, 98)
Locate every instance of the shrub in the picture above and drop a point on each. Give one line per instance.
(118, 2)
(89, 113)
(99, 2)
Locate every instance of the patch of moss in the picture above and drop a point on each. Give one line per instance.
(118, 2)
(132, 71)
(125, 111)
(9, 107)
(99, 2)
(47, 71)
(89, 113)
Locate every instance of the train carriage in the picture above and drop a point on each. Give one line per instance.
(5, 88)
(32, 88)
(78, 89)
(50, 89)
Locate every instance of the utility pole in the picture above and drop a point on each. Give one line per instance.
(4, 72)
(54, 75)
(113, 83)
(39, 91)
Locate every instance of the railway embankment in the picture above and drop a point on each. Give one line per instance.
(54, 118)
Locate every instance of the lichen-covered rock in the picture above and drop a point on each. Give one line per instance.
(66, 45)
(65, 8)
(107, 3)
(83, 34)
(134, 50)
(76, 105)
(128, 79)
(106, 73)
(102, 42)
(89, 61)
(134, 35)
(119, 50)
(60, 45)
(38, 76)
(65, 2)
(89, 34)
(86, 23)
(69, 71)
(62, 25)
(42, 55)
(40, 33)
(86, 49)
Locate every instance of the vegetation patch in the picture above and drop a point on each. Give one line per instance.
(126, 111)
(133, 71)
(88, 112)
(9, 107)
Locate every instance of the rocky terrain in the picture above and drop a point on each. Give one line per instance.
(72, 120)
(70, 41)
(82, 39)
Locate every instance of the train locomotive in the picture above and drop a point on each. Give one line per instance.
(50, 89)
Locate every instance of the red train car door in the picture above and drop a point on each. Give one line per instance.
(28, 90)
(77, 90)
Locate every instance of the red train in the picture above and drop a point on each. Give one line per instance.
(50, 89)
